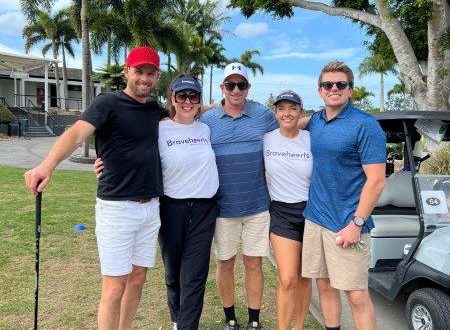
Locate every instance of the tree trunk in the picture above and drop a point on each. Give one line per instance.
(65, 87)
(381, 91)
(86, 66)
(55, 57)
(168, 63)
(437, 92)
(210, 85)
(108, 51)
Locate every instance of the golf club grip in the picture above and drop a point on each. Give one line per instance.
(36, 264)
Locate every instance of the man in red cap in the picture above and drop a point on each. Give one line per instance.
(125, 125)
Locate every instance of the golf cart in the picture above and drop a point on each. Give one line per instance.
(411, 240)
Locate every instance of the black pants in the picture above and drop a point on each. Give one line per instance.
(185, 237)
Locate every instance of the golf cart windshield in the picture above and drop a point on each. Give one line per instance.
(434, 192)
(406, 189)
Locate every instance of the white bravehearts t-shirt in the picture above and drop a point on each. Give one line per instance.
(288, 165)
(188, 161)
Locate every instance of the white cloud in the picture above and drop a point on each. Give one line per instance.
(287, 43)
(250, 30)
(328, 55)
(12, 23)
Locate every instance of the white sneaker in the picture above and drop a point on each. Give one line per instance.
(174, 326)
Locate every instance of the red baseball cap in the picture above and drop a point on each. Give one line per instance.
(142, 55)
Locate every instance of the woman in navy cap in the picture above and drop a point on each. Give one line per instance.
(288, 163)
(188, 209)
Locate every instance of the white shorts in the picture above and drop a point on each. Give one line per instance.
(127, 234)
(251, 230)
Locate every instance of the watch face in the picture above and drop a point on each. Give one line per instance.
(358, 221)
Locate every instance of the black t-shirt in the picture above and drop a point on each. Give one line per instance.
(126, 138)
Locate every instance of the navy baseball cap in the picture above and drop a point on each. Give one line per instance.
(184, 83)
(289, 96)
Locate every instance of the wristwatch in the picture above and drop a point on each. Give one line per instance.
(358, 221)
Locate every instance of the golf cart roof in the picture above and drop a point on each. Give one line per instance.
(392, 123)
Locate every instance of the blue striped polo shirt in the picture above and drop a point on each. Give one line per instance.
(238, 145)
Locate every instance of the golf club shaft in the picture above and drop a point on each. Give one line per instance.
(38, 237)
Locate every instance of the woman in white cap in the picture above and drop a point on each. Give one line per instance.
(288, 163)
(188, 209)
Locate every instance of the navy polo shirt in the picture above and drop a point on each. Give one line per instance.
(238, 145)
(340, 147)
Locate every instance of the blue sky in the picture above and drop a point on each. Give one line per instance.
(293, 51)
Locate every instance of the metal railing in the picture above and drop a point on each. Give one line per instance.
(31, 105)
(24, 100)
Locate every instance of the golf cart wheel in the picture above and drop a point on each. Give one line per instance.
(428, 309)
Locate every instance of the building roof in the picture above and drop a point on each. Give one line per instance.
(34, 66)
(72, 74)
(15, 61)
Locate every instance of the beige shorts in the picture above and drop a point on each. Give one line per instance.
(252, 231)
(347, 269)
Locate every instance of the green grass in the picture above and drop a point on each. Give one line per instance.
(70, 277)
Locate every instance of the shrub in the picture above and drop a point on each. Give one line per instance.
(439, 162)
(6, 116)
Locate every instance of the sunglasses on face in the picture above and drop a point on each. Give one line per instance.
(181, 97)
(242, 85)
(328, 85)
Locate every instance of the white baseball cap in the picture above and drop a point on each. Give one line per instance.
(235, 68)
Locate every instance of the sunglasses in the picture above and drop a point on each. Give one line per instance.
(328, 85)
(242, 85)
(181, 97)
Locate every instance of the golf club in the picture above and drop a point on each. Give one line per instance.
(38, 238)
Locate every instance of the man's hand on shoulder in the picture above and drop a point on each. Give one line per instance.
(303, 122)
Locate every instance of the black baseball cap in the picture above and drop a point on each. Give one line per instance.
(289, 96)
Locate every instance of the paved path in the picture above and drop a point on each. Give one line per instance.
(28, 153)
(390, 315)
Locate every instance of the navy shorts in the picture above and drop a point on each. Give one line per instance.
(286, 220)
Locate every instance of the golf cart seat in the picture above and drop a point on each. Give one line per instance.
(390, 235)
(398, 190)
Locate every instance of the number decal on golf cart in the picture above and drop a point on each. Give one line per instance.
(432, 202)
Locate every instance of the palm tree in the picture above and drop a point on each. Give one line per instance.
(111, 75)
(44, 27)
(216, 59)
(360, 97)
(246, 59)
(65, 36)
(80, 21)
(382, 65)
(206, 21)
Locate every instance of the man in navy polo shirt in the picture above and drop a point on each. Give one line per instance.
(348, 147)
(237, 130)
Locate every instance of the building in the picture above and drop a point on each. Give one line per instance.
(27, 82)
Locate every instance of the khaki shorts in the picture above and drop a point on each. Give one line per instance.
(252, 231)
(347, 269)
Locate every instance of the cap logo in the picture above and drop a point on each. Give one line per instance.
(236, 67)
(286, 95)
(187, 82)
